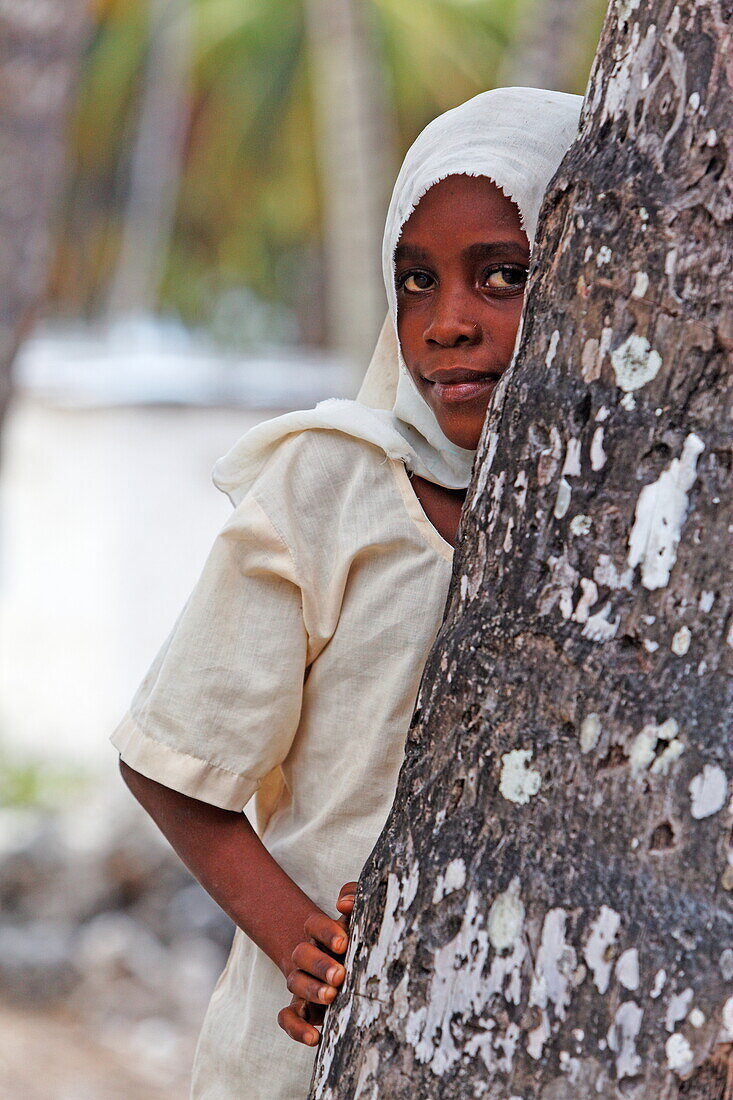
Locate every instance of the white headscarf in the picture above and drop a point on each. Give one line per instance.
(515, 137)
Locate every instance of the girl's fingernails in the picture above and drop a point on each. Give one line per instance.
(326, 993)
(338, 943)
(313, 1039)
(333, 974)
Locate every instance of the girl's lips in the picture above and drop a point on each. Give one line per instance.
(469, 390)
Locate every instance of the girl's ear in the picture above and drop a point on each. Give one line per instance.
(379, 388)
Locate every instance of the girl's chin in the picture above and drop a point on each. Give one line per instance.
(462, 426)
(462, 435)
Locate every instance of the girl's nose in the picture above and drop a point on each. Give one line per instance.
(451, 324)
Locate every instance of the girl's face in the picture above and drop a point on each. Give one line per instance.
(460, 269)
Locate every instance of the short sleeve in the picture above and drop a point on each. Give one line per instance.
(221, 703)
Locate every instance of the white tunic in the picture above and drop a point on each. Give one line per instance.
(291, 675)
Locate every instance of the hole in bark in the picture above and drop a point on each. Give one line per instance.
(662, 838)
(582, 411)
(614, 758)
(715, 168)
(628, 641)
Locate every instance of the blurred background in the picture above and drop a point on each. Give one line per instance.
(191, 204)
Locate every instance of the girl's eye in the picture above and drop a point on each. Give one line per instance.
(415, 281)
(505, 277)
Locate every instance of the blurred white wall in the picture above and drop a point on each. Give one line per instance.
(106, 518)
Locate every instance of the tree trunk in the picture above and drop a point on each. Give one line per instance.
(548, 914)
(157, 162)
(355, 151)
(40, 48)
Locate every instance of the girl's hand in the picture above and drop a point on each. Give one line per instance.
(317, 972)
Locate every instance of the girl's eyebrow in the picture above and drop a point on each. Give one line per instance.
(481, 250)
(496, 249)
(411, 252)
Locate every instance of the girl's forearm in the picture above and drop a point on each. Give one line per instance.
(223, 851)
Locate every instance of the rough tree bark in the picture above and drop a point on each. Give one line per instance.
(40, 47)
(548, 914)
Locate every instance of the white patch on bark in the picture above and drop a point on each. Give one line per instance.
(635, 362)
(485, 470)
(681, 641)
(497, 493)
(628, 402)
(660, 513)
(368, 1075)
(586, 601)
(622, 1037)
(644, 752)
(604, 255)
(580, 525)
(559, 588)
(518, 781)
(552, 979)
(571, 466)
(679, 1054)
(726, 964)
(597, 454)
(606, 573)
(590, 366)
(678, 1007)
(708, 792)
(660, 980)
(507, 543)
(707, 599)
(520, 485)
(590, 732)
(668, 757)
(460, 992)
(598, 951)
(728, 1020)
(600, 627)
(400, 896)
(627, 969)
(506, 918)
(562, 500)
(552, 349)
(452, 879)
(464, 587)
(641, 284)
(696, 1018)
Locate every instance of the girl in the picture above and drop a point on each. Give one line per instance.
(292, 671)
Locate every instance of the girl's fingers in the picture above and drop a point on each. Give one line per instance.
(347, 894)
(326, 931)
(310, 989)
(292, 1021)
(345, 905)
(318, 964)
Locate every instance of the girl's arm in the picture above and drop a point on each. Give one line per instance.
(223, 851)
